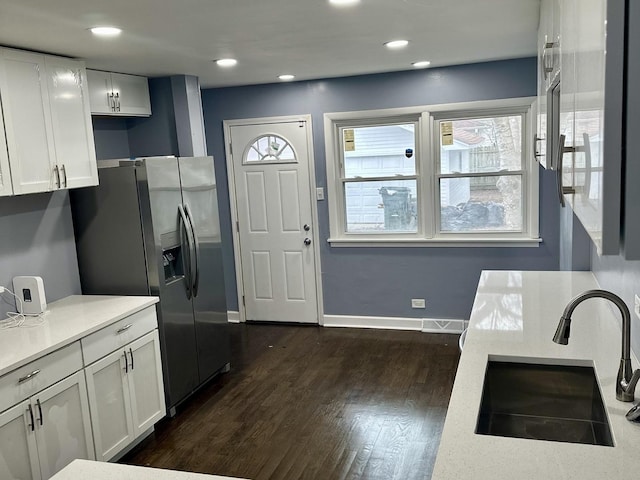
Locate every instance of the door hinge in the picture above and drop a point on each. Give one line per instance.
(238, 227)
(230, 149)
(243, 302)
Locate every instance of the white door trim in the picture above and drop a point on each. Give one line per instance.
(234, 204)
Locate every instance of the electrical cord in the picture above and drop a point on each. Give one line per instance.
(18, 319)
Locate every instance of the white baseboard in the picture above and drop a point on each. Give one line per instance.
(233, 317)
(430, 325)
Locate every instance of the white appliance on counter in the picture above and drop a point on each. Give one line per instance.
(29, 290)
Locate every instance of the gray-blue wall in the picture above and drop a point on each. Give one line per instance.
(36, 238)
(381, 281)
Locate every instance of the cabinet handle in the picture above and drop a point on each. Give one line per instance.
(64, 175)
(39, 410)
(27, 377)
(131, 353)
(546, 67)
(537, 139)
(32, 425)
(126, 363)
(117, 101)
(57, 172)
(124, 329)
(560, 155)
(112, 102)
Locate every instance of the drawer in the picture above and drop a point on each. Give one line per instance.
(18, 385)
(117, 335)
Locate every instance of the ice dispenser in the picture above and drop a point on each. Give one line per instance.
(173, 265)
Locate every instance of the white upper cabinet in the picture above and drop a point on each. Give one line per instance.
(71, 123)
(5, 172)
(27, 121)
(118, 94)
(47, 123)
(588, 116)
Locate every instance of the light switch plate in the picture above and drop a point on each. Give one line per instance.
(320, 193)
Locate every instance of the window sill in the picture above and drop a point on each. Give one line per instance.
(447, 243)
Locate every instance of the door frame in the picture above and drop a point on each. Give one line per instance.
(227, 124)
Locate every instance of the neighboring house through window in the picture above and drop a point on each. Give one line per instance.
(458, 174)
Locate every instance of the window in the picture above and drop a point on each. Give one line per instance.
(449, 174)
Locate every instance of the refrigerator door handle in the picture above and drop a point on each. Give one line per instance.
(195, 252)
(187, 259)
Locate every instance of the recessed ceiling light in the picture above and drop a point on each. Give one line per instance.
(226, 62)
(421, 64)
(106, 31)
(343, 3)
(397, 44)
(286, 77)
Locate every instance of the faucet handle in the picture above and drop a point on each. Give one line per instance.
(633, 415)
(630, 386)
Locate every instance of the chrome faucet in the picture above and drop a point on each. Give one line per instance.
(627, 378)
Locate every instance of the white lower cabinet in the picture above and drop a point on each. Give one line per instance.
(126, 394)
(45, 433)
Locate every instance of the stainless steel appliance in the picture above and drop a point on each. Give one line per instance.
(152, 228)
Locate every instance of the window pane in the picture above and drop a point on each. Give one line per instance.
(481, 204)
(270, 149)
(380, 151)
(477, 145)
(378, 207)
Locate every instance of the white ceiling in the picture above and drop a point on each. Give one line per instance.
(309, 38)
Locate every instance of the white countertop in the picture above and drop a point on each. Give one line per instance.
(67, 320)
(89, 470)
(516, 314)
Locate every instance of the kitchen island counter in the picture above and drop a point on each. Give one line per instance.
(86, 469)
(515, 314)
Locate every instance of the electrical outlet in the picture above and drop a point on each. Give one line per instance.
(418, 303)
(636, 306)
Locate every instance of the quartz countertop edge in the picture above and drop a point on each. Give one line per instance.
(515, 314)
(87, 469)
(66, 321)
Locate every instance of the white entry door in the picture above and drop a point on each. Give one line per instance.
(273, 198)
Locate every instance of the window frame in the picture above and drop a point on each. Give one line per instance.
(427, 154)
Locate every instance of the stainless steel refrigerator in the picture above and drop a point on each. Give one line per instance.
(152, 228)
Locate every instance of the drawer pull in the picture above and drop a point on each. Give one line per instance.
(40, 410)
(32, 425)
(124, 329)
(27, 377)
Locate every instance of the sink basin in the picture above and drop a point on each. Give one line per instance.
(559, 403)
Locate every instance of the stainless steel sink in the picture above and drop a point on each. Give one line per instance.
(543, 402)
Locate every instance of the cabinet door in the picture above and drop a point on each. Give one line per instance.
(131, 94)
(27, 118)
(63, 424)
(568, 88)
(589, 115)
(110, 404)
(145, 382)
(545, 31)
(71, 121)
(5, 173)
(18, 451)
(100, 92)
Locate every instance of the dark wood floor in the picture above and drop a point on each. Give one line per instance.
(314, 403)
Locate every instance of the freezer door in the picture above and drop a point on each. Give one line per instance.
(200, 198)
(170, 253)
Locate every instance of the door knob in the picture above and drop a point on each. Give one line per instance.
(307, 241)
(306, 227)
